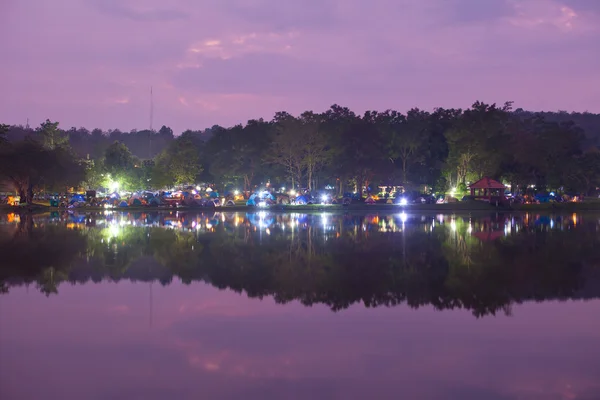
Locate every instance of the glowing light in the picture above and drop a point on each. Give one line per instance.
(453, 191)
(324, 197)
(236, 192)
(453, 225)
(113, 185)
(262, 204)
(293, 192)
(403, 217)
(403, 201)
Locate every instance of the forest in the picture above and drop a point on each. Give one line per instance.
(420, 150)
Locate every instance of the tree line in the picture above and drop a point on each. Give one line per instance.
(439, 150)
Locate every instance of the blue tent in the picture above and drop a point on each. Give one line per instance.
(78, 198)
(301, 200)
(123, 204)
(252, 200)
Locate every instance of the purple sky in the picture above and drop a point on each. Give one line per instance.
(91, 62)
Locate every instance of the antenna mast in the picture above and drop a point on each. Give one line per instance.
(151, 107)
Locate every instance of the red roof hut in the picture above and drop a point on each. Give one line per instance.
(487, 189)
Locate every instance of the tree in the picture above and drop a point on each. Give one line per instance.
(29, 167)
(3, 134)
(118, 158)
(286, 147)
(476, 140)
(179, 163)
(315, 150)
(52, 136)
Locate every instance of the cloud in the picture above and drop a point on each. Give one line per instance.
(270, 74)
(76, 54)
(124, 9)
(277, 15)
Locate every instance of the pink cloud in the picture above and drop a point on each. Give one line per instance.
(74, 54)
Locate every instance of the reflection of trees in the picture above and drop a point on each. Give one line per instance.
(40, 255)
(349, 263)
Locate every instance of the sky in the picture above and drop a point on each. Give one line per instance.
(92, 63)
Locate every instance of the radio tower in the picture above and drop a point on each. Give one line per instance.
(151, 118)
(151, 107)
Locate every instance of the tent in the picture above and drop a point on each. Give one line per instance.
(123, 204)
(77, 198)
(154, 201)
(135, 202)
(301, 200)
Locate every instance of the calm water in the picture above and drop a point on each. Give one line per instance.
(322, 306)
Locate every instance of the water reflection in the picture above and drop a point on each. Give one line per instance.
(485, 264)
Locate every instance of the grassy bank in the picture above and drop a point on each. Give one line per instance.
(466, 207)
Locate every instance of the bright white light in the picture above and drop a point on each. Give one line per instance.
(453, 191)
(293, 192)
(113, 186)
(324, 197)
(403, 217)
(198, 188)
(262, 214)
(236, 192)
(262, 204)
(209, 226)
(403, 201)
(453, 225)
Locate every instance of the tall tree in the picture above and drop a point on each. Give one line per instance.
(52, 136)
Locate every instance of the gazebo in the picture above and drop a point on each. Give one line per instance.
(487, 189)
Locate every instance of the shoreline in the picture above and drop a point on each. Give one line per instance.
(593, 206)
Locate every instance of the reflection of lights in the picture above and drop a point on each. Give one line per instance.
(552, 223)
(440, 218)
(453, 225)
(114, 231)
(574, 219)
(470, 229)
(403, 217)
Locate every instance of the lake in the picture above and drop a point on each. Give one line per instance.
(262, 305)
